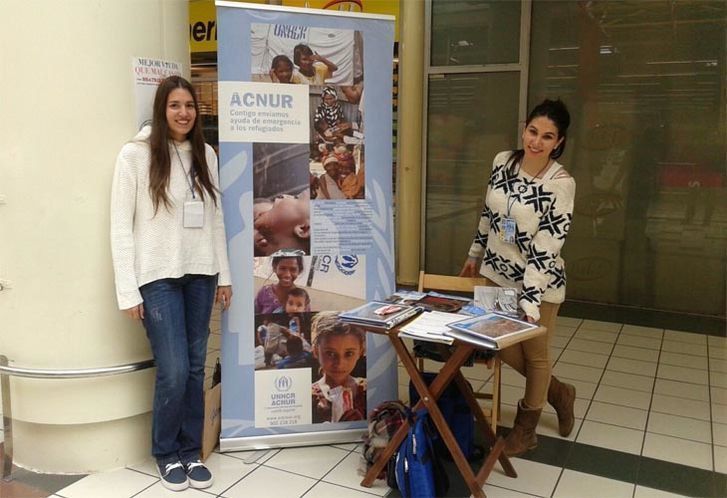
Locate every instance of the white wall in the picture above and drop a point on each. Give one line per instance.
(66, 108)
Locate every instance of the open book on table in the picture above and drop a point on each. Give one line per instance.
(493, 330)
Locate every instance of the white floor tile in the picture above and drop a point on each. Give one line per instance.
(644, 492)
(119, 483)
(716, 365)
(642, 331)
(718, 379)
(347, 447)
(632, 366)
(265, 481)
(719, 414)
(611, 436)
(560, 341)
(596, 335)
(639, 341)
(226, 471)
(574, 484)
(252, 456)
(717, 341)
(568, 321)
(718, 396)
(310, 461)
(682, 427)
(683, 374)
(688, 337)
(534, 478)
(720, 459)
(159, 491)
(598, 325)
(680, 406)
(718, 353)
(562, 330)
(719, 434)
(327, 490)
(346, 474)
(678, 450)
(498, 492)
(622, 416)
(584, 390)
(570, 371)
(590, 346)
(681, 390)
(684, 348)
(583, 358)
(580, 407)
(683, 360)
(635, 353)
(633, 381)
(624, 397)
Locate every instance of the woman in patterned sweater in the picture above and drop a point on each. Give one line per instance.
(527, 215)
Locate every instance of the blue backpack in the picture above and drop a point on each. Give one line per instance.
(419, 473)
(456, 412)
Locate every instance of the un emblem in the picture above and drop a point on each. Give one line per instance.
(283, 383)
(346, 264)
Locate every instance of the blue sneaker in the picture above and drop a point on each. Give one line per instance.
(173, 476)
(198, 475)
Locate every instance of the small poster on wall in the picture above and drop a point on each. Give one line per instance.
(148, 73)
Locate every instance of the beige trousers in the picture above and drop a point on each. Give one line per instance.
(532, 357)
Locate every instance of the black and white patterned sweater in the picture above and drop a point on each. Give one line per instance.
(542, 209)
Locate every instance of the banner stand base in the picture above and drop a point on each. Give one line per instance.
(273, 441)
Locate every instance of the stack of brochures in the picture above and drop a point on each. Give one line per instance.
(430, 326)
(379, 314)
(501, 300)
(493, 330)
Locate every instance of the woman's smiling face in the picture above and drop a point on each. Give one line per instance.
(540, 137)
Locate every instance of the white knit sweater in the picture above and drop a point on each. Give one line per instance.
(146, 247)
(542, 209)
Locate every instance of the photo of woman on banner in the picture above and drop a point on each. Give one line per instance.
(338, 396)
(273, 298)
(320, 55)
(281, 209)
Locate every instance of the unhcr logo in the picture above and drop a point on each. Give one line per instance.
(346, 264)
(283, 383)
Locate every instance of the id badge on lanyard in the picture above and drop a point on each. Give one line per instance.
(507, 231)
(193, 214)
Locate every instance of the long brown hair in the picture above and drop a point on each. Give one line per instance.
(160, 168)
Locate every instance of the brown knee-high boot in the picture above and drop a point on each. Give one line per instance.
(562, 397)
(522, 436)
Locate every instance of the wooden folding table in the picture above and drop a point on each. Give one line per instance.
(428, 396)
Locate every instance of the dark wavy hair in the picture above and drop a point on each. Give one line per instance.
(281, 58)
(301, 49)
(557, 112)
(160, 168)
(326, 324)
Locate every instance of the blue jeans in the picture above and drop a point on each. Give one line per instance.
(176, 317)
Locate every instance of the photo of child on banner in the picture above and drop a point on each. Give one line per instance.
(339, 394)
(284, 340)
(319, 56)
(281, 206)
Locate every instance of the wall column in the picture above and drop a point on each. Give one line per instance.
(67, 108)
(409, 164)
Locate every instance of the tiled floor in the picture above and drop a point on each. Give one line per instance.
(651, 422)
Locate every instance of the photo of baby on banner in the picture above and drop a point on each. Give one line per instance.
(281, 205)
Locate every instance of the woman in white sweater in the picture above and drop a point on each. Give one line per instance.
(527, 215)
(170, 262)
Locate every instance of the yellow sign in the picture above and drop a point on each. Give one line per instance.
(203, 17)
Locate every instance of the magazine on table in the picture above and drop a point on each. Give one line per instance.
(430, 326)
(493, 330)
(501, 300)
(437, 301)
(379, 314)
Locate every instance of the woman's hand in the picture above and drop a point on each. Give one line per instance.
(135, 312)
(530, 319)
(224, 296)
(469, 269)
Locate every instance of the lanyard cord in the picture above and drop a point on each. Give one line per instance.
(187, 176)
